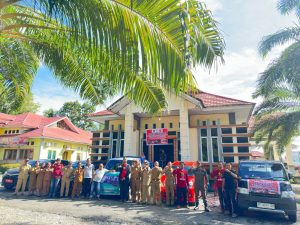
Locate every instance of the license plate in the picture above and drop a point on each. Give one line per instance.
(9, 181)
(265, 205)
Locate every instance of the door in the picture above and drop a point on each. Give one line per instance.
(163, 154)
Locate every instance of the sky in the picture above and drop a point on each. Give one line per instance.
(243, 23)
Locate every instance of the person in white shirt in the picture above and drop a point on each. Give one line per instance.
(97, 177)
(87, 178)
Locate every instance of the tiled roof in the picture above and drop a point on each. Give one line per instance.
(102, 113)
(42, 127)
(212, 100)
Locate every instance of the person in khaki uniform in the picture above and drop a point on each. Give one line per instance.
(169, 184)
(135, 181)
(23, 176)
(78, 179)
(65, 180)
(39, 180)
(146, 176)
(200, 185)
(47, 179)
(155, 184)
(32, 178)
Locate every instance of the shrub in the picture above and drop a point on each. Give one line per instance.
(4, 167)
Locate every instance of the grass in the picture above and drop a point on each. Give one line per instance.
(4, 167)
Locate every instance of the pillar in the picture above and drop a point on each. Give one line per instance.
(129, 142)
(184, 132)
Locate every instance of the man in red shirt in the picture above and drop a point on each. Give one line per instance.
(218, 175)
(124, 170)
(181, 178)
(56, 176)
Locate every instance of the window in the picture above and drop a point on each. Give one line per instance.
(241, 130)
(10, 154)
(243, 158)
(5, 132)
(203, 132)
(51, 154)
(172, 133)
(162, 125)
(215, 149)
(112, 127)
(146, 126)
(25, 154)
(229, 159)
(203, 123)
(171, 125)
(32, 143)
(78, 156)
(179, 125)
(9, 132)
(214, 132)
(204, 149)
(228, 149)
(227, 140)
(13, 131)
(120, 126)
(231, 118)
(55, 144)
(226, 130)
(198, 122)
(242, 139)
(17, 131)
(214, 123)
(154, 126)
(243, 149)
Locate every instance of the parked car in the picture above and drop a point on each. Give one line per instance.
(264, 187)
(191, 179)
(10, 177)
(110, 181)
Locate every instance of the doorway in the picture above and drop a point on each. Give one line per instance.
(163, 154)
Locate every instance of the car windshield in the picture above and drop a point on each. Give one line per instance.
(186, 168)
(264, 171)
(114, 164)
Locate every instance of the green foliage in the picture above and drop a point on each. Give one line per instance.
(4, 167)
(76, 112)
(278, 116)
(100, 48)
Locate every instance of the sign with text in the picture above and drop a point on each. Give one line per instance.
(264, 186)
(157, 136)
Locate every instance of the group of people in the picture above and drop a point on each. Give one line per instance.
(44, 179)
(145, 182)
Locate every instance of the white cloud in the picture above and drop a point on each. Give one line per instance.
(213, 5)
(237, 77)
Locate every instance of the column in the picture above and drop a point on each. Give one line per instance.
(129, 141)
(184, 132)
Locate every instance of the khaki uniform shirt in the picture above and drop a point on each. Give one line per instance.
(24, 170)
(78, 175)
(33, 170)
(48, 174)
(200, 177)
(170, 179)
(156, 174)
(146, 175)
(67, 173)
(135, 172)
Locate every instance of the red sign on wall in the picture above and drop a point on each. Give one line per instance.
(157, 136)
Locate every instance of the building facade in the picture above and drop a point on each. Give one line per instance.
(38, 137)
(201, 126)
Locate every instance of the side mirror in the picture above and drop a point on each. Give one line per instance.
(290, 176)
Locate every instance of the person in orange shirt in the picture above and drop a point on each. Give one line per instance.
(78, 179)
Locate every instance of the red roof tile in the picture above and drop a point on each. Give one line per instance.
(212, 100)
(102, 113)
(42, 127)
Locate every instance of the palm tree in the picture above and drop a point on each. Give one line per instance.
(100, 47)
(278, 116)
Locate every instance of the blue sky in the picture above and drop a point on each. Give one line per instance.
(243, 22)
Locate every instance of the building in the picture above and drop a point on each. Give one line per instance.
(201, 126)
(38, 137)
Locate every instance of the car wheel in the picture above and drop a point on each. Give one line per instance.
(293, 217)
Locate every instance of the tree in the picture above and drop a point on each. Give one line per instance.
(99, 48)
(76, 112)
(278, 116)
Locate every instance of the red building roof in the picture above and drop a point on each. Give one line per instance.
(212, 100)
(102, 113)
(46, 127)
